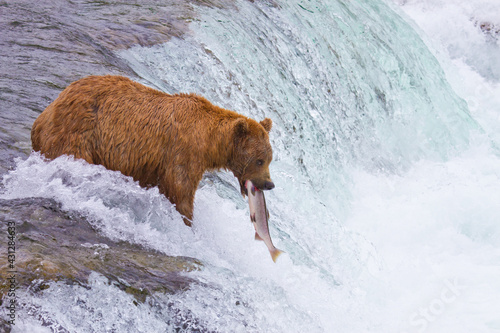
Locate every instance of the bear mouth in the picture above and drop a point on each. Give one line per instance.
(244, 190)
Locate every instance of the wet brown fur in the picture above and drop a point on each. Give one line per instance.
(160, 140)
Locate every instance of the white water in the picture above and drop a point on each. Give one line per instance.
(388, 184)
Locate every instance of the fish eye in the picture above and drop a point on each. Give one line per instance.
(260, 162)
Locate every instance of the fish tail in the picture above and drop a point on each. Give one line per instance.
(275, 254)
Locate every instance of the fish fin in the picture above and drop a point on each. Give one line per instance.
(257, 237)
(267, 214)
(275, 254)
(252, 217)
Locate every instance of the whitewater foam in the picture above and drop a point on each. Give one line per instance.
(387, 194)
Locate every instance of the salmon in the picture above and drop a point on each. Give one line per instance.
(259, 215)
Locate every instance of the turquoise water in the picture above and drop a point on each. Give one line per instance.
(387, 185)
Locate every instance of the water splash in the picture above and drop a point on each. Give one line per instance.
(373, 167)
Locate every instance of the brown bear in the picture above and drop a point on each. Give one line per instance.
(159, 139)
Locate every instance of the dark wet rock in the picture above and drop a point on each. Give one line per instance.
(5, 327)
(489, 28)
(57, 245)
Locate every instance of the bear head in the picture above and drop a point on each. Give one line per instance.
(252, 153)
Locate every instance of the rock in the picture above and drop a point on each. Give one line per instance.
(489, 28)
(56, 245)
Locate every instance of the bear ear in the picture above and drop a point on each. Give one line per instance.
(241, 127)
(267, 124)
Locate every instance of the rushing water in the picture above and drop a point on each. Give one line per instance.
(387, 182)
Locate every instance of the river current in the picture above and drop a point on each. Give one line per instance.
(386, 163)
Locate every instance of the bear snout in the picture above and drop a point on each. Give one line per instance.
(268, 185)
(263, 185)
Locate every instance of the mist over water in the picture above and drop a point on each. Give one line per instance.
(386, 169)
(465, 35)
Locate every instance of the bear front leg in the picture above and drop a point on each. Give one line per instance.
(184, 205)
(182, 197)
(186, 209)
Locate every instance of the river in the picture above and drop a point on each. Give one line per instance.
(386, 162)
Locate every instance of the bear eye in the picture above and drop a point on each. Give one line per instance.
(260, 162)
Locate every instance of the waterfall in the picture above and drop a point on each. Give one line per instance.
(385, 202)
